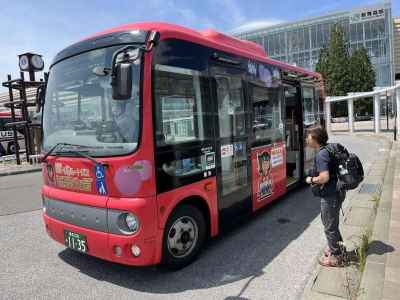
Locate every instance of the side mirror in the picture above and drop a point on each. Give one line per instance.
(122, 81)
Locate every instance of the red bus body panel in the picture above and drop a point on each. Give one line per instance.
(101, 244)
(205, 189)
(268, 183)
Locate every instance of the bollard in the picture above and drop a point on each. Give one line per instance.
(328, 116)
(350, 106)
(377, 113)
(34, 159)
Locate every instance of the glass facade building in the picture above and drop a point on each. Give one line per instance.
(300, 42)
(397, 47)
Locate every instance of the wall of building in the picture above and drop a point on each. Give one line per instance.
(300, 42)
(397, 47)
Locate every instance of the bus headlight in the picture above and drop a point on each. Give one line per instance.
(132, 222)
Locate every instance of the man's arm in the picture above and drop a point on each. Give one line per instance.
(322, 178)
(322, 164)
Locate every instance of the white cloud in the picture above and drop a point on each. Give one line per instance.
(170, 11)
(253, 25)
(229, 8)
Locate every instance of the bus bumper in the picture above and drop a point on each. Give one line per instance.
(115, 247)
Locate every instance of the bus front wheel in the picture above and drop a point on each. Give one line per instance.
(184, 236)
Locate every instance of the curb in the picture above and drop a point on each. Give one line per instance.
(17, 172)
(372, 282)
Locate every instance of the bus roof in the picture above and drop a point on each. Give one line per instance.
(210, 38)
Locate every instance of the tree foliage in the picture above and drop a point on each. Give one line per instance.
(362, 71)
(345, 72)
(333, 64)
(363, 78)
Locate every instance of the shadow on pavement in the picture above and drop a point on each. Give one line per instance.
(379, 248)
(241, 253)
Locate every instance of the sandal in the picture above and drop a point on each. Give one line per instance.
(327, 251)
(331, 261)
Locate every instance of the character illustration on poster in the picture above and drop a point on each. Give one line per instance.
(265, 178)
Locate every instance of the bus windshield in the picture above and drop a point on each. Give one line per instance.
(79, 108)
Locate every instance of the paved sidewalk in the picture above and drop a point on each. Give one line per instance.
(361, 207)
(11, 168)
(391, 288)
(381, 279)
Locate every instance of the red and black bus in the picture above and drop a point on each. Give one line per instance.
(157, 135)
(7, 143)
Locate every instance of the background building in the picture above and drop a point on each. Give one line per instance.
(300, 42)
(397, 47)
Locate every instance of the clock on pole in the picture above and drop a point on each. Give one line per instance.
(31, 62)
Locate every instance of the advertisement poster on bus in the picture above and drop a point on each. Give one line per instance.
(268, 173)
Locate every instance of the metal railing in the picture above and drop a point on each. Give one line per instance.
(377, 94)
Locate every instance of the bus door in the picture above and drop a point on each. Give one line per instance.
(293, 133)
(232, 133)
(310, 118)
(268, 143)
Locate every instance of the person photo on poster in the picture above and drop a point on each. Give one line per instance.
(265, 178)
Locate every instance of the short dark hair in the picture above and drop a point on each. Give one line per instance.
(319, 134)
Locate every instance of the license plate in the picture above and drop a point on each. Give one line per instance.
(75, 241)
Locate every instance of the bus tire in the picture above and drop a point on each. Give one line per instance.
(2, 150)
(184, 236)
(11, 148)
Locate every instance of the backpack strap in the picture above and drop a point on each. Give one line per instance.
(332, 159)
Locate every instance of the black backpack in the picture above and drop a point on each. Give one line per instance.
(347, 166)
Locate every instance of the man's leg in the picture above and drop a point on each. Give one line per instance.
(330, 219)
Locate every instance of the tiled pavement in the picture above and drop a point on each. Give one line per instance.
(391, 288)
(8, 168)
(381, 277)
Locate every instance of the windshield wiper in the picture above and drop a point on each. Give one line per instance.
(76, 152)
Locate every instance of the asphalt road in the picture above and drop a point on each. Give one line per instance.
(270, 256)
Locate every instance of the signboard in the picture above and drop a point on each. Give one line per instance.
(269, 173)
(72, 178)
(226, 150)
(6, 134)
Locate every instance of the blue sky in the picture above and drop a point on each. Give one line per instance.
(46, 27)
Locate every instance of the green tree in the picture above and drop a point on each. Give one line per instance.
(362, 78)
(334, 64)
(322, 64)
(334, 67)
(361, 71)
(344, 73)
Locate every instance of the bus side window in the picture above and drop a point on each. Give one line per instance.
(310, 107)
(267, 115)
(179, 109)
(231, 112)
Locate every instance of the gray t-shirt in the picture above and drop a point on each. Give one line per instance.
(323, 162)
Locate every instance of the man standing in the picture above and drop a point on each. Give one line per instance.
(324, 185)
